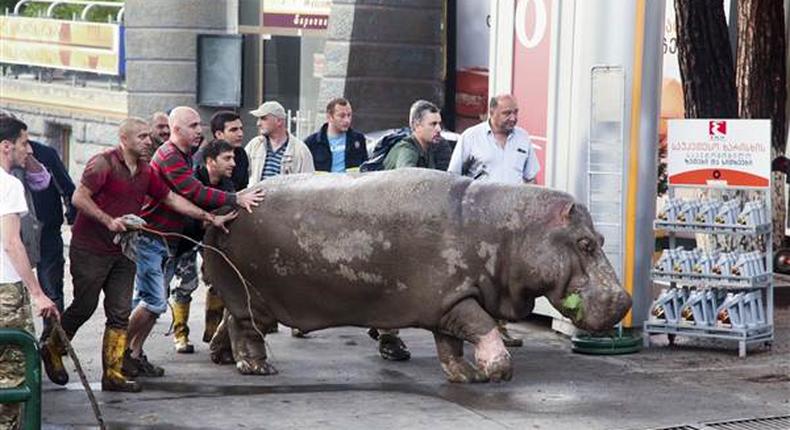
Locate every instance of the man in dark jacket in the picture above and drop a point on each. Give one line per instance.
(49, 204)
(336, 147)
(226, 125)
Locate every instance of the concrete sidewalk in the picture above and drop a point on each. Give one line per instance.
(335, 379)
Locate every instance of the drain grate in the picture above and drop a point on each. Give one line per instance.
(679, 428)
(770, 423)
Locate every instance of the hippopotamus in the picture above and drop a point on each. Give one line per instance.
(412, 248)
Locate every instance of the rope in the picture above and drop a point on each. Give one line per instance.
(244, 281)
(94, 404)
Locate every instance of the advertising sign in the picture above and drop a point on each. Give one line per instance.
(296, 14)
(67, 45)
(729, 152)
(531, 61)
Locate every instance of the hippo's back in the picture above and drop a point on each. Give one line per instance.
(370, 196)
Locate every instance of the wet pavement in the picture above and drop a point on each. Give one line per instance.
(335, 380)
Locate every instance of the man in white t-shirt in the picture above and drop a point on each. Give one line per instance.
(15, 270)
(497, 150)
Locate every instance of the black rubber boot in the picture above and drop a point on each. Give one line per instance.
(391, 347)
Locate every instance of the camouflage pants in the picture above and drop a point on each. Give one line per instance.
(186, 271)
(15, 312)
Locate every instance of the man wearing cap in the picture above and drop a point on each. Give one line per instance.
(276, 151)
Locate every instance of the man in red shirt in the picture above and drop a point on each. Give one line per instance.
(114, 183)
(172, 162)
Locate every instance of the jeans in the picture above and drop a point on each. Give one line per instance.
(153, 267)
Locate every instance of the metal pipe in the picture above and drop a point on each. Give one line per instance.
(85, 10)
(88, 5)
(52, 7)
(19, 6)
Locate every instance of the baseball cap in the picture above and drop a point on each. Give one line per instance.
(269, 108)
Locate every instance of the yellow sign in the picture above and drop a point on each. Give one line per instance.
(70, 45)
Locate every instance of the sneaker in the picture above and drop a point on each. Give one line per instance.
(295, 332)
(391, 347)
(133, 367)
(148, 369)
(130, 365)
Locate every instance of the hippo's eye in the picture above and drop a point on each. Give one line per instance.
(586, 245)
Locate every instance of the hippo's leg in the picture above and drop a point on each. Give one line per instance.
(467, 320)
(451, 355)
(220, 348)
(249, 346)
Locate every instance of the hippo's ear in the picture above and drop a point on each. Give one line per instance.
(566, 212)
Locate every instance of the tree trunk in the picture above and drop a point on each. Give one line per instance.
(761, 78)
(707, 73)
(706, 65)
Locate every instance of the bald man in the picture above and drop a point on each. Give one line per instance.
(497, 150)
(114, 184)
(172, 163)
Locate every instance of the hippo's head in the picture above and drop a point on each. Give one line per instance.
(580, 281)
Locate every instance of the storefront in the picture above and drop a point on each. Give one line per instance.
(587, 77)
(284, 57)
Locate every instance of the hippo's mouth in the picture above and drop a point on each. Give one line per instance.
(573, 306)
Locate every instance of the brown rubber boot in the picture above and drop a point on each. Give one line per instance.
(52, 352)
(214, 309)
(181, 329)
(113, 348)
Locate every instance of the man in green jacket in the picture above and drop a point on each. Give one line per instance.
(413, 151)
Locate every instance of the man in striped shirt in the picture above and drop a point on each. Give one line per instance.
(173, 164)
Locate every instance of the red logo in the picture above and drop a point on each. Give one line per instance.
(717, 128)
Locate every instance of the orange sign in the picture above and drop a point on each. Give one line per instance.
(70, 45)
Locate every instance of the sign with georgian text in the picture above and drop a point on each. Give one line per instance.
(731, 152)
(296, 14)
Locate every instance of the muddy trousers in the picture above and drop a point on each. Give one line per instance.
(92, 274)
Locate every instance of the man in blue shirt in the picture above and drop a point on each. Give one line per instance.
(336, 147)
